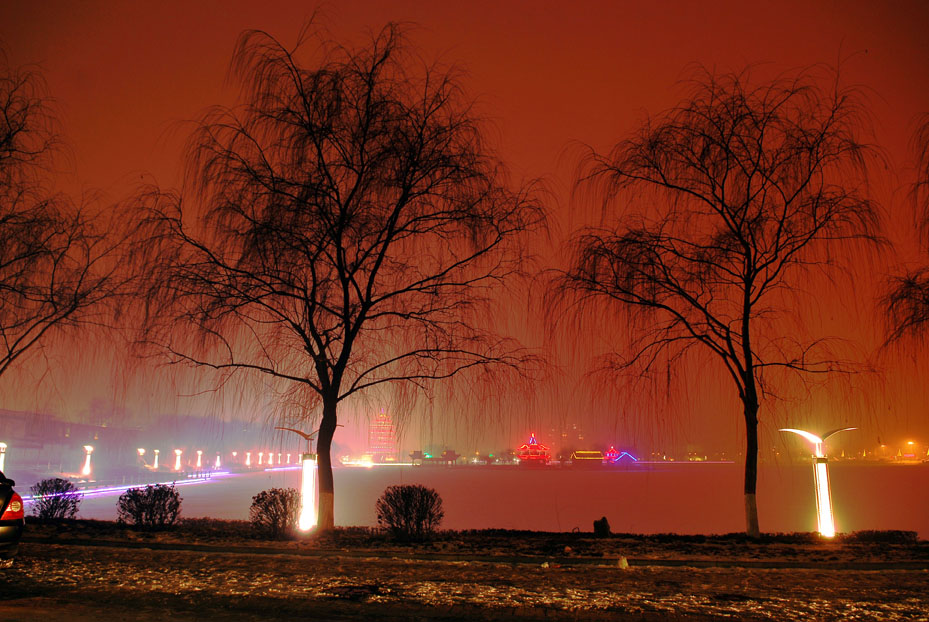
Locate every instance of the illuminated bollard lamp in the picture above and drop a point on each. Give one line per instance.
(85, 470)
(308, 504)
(824, 515)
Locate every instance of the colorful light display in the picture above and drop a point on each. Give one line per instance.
(533, 452)
(612, 456)
(824, 515)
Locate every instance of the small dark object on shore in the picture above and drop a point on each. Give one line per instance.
(602, 528)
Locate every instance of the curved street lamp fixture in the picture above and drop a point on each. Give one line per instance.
(824, 515)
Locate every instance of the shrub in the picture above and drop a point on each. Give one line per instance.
(274, 512)
(410, 512)
(55, 499)
(888, 536)
(153, 507)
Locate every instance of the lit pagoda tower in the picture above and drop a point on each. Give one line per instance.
(382, 438)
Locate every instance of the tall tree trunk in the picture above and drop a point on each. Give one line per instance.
(326, 516)
(751, 460)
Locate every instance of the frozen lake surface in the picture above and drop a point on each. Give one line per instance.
(658, 498)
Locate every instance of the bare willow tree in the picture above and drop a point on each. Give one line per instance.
(907, 302)
(350, 223)
(56, 265)
(730, 196)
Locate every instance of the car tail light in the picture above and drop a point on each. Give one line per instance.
(14, 510)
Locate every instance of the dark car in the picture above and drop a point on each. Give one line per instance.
(12, 518)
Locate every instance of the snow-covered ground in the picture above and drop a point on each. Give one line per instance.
(79, 583)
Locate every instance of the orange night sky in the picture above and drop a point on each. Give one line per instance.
(549, 75)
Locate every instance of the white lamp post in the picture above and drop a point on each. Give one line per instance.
(308, 503)
(2, 455)
(155, 465)
(85, 470)
(248, 458)
(308, 508)
(177, 459)
(824, 516)
(199, 458)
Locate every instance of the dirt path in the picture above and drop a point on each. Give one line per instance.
(77, 583)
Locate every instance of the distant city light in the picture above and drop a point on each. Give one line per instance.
(199, 458)
(85, 471)
(155, 465)
(177, 459)
(364, 461)
(288, 458)
(308, 508)
(141, 451)
(270, 459)
(824, 515)
(248, 458)
(217, 462)
(260, 457)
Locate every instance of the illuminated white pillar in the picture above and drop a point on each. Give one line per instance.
(85, 470)
(248, 458)
(2, 455)
(217, 461)
(308, 509)
(260, 457)
(288, 458)
(199, 458)
(279, 458)
(177, 459)
(155, 465)
(270, 459)
(825, 519)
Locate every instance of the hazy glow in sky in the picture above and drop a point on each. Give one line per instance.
(549, 75)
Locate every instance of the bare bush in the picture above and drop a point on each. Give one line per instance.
(274, 512)
(410, 512)
(153, 507)
(55, 499)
